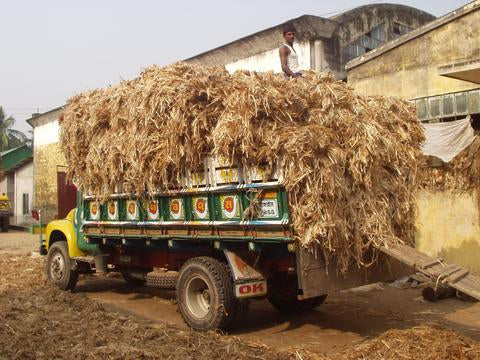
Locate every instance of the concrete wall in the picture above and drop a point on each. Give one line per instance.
(11, 188)
(23, 185)
(411, 70)
(320, 41)
(47, 159)
(360, 21)
(448, 226)
(270, 60)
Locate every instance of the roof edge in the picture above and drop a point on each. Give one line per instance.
(33, 120)
(466, 9)
(260, 32)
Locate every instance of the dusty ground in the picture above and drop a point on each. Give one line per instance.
(16, 242)
(349, 325)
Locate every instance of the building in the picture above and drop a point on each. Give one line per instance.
(17, 183)
(323, 44)
(436, 66)
(51, 192)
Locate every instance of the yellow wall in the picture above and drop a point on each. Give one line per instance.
(411, 71)
(448, 225)
(47, 159)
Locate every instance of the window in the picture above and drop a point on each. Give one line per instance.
(25, 209)
(449, 106)
(400, 29)
(365, 43)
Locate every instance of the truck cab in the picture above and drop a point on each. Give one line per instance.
(5, 212)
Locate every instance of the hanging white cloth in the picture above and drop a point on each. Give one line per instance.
(447, 139)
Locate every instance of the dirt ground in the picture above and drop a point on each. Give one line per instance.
(349, 325)
(17, 242)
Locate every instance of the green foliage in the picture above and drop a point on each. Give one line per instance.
(9, 137)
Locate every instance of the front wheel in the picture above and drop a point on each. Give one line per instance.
(59, 267)
(205, 295)
(5, 223)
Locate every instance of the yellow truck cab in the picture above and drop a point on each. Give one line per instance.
(5, 212)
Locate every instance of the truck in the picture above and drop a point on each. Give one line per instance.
(5, 212)
(221, 239)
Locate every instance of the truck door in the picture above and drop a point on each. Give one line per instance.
(66, 194)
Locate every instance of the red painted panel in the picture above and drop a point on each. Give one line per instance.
(66, 195)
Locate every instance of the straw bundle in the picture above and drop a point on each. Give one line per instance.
(461, 173)
(349, 162)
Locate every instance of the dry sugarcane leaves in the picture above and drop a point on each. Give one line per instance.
(349, 162)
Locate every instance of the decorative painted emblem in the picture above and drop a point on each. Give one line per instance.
(200, 206)
(152, 209)
(132, 210)
(230, 206)
(94, 211)
(112, 210)
(176, 209)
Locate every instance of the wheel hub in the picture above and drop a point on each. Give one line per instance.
(57, 267)
(198, 297)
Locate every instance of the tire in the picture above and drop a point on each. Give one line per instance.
(282, 295)
(205, 295)
(134, 279)
(59, 267)
(5, 224)
(164, 280)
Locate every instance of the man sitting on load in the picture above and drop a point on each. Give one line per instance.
(288, 55)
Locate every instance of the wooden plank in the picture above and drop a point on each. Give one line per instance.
(431, 263)
(456, 277)
(452, 275)
(315, 278)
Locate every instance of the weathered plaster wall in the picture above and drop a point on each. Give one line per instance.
(322, 40)
(270, 60)
(411, 70)
(448, 226)
(23, 185)
(47, 159)
(358, 22)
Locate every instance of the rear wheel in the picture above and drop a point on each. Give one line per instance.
(59, 266)
(205, 295)
(282, 294)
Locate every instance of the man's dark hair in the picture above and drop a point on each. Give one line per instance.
(288, 28)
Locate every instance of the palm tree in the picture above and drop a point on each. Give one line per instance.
(10, 138)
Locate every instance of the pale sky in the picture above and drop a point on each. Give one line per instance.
(53, 49)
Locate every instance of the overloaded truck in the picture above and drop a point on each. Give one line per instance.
(258, 187)
(221, 239)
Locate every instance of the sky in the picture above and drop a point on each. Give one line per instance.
(53, 49)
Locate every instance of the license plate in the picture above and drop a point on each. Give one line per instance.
(251, 289)
(268, 208)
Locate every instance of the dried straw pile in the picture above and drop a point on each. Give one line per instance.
(349, 162)
(420, 342)
(461, 173)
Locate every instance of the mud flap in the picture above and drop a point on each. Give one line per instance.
(248, 282)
